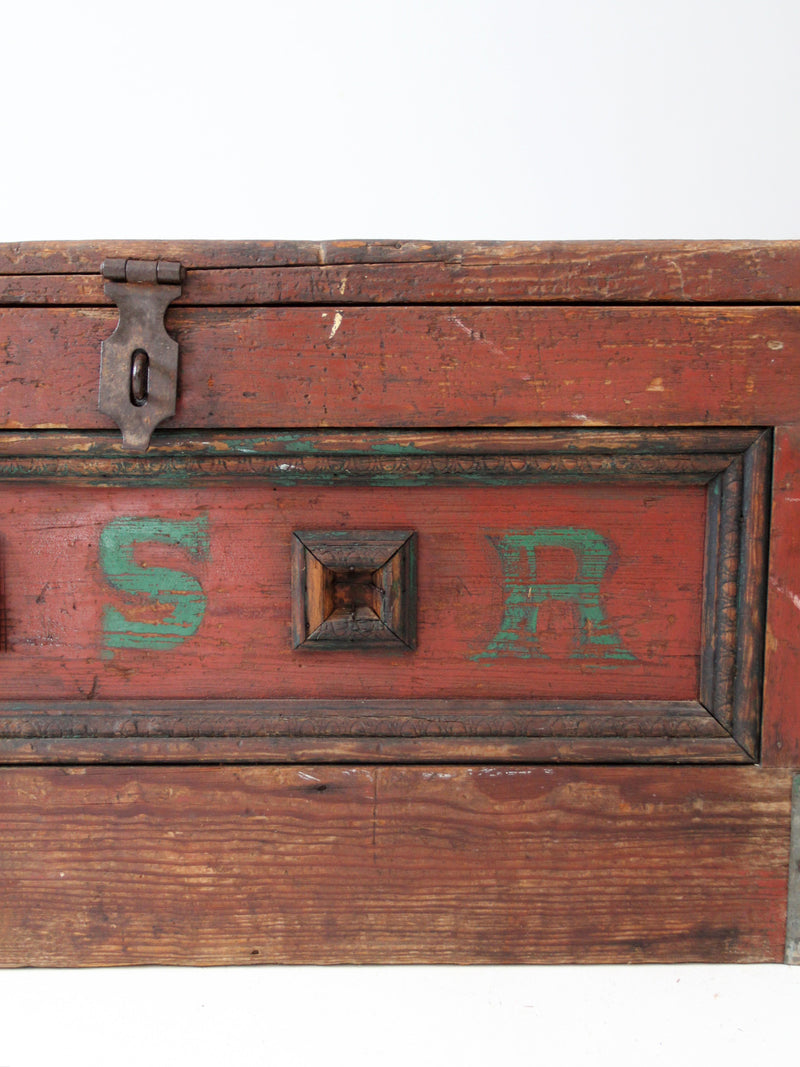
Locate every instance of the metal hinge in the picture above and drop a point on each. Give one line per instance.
(139, 361)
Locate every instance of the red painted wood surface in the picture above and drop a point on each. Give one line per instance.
(236, 865)
(356, 862)
(423, 271)
(57, 593)
(425, 367)
(781, 723)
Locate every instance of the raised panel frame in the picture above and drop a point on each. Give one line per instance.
(721, 726)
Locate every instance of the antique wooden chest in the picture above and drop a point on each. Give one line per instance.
(399, 602)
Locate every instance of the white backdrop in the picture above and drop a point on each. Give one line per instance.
(367, 118)
(445, 119)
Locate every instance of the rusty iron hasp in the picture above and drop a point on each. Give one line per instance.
(139, 361)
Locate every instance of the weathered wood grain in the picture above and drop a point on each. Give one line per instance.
(737, 524)
(781, 719)
(543, 637)
(793, 905)
(231, 550)
(3, 645)
(715, 446)
(84, 257)
(197, 865)
(381, 458)
(351, 588)
(424, 367)
(352, 272)
(621, 740)
(751, 608)
(373, 731)
(231, 854)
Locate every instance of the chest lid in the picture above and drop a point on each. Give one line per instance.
(412, 334)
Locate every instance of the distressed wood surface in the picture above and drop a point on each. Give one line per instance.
(530, 601)
(424, 367)
(195, 865)
(354, 587)
(381, 458)
(781, 729)
(752, 592)
(793, 904)
(356, 732)
(715, 446)
(185, 593)
(421, 272)
(231, 854)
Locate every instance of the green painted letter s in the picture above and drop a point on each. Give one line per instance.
(161, 586)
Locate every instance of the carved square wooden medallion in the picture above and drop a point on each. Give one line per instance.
(354, 587)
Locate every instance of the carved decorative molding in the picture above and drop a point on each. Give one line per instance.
(354, 587)
(721, 725)
(378, 458)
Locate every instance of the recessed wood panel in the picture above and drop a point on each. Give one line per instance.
(578, 597)
(170, 593)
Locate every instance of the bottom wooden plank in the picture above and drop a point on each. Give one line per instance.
(332, 864)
